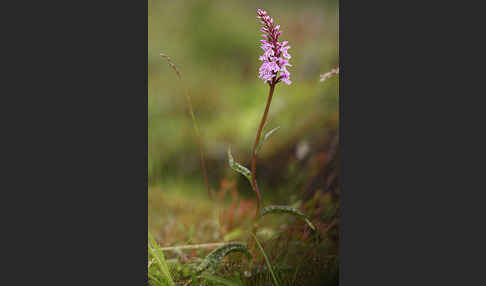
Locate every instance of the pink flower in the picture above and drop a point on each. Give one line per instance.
(275, 56)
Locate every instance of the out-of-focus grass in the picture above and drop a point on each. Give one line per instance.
(215, 44)
(180, 213)
(174, 208)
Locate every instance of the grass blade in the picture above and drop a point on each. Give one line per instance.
(154, 280)
(266, 260)
(157, 253)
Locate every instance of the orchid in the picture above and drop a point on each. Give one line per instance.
(275, 56)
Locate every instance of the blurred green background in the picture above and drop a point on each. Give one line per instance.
(215, 45)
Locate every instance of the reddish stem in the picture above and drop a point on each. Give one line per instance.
(254, 155)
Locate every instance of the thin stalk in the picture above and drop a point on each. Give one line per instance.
(269, 265)
(253, 166)
(254, 153)
(198, 138)
(194, 122)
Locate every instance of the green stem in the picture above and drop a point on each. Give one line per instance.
(269, 265)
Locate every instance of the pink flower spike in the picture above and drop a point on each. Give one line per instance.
(275, 56)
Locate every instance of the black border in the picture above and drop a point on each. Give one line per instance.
(77, 147)
(80, 144)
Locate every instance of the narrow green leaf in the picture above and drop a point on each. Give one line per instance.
(265, 138)
(266, 260)
(286, 209)
(154, 280)
(238, 168)
(157, 253)
(215, 257)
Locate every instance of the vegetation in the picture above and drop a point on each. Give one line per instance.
(235, 234)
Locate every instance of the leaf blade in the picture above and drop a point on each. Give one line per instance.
(286, 209)
(157, 253)
(265, 138)
(216, 256)
(238, 167)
